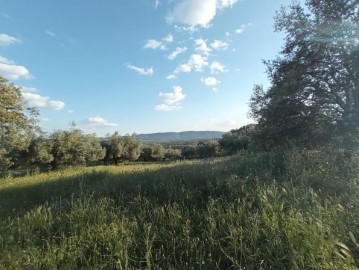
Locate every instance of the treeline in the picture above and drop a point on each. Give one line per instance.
(64, 148)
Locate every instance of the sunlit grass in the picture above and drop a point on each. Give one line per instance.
(252, 211)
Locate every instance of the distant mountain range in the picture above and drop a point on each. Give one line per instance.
(180, 136)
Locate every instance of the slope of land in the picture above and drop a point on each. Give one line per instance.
(290, 210)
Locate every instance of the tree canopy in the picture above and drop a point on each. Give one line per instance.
(18, 122)
(73, 147)
(314, 92)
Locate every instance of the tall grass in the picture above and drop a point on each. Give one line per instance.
(289, 210)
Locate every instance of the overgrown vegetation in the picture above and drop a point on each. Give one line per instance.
(290, 210)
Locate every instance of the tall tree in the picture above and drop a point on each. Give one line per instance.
(314, 89)
(18, 122)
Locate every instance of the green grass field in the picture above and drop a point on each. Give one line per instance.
(291, 210)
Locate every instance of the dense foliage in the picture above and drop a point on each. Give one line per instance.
(314, 92)
(296, 209)
(17, 123)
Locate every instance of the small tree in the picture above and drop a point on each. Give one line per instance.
(115, 149)
(208, 149)
(146, 153)
(172, 154)
(73, 147)
(238, 139)
(132, 147)
(189, 152)
(40, 151)
(158, 152)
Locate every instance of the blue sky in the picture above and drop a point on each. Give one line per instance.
(138, 65)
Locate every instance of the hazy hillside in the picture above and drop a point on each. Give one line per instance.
(180, 136)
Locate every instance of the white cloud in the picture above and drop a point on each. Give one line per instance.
(197, 12)
(171, 77)
(142, 71)
(210, 81)
(172, 100)
(56, 105)
(176, 52)
(183, 68)
(28, 89)
(201, 46)
(70, 111)
(5, 60)
(219, 45)
(36, 100)
(242, 27)
(99, 121)
(154, 44)
(10, 70)
(217, 67)
(240, 30)
(157, 3)
(196, 62)
(50, 33)
(226, 3)
(6, 40)
(169, 38)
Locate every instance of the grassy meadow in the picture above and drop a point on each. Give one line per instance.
(283, 210)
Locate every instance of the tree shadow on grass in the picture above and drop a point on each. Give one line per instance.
(187, 183)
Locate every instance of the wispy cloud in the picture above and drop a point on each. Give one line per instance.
(159, 44)
(196, 62)
(5, 15)
(201, 46)
(6, 40)
(171, 101)
(5, 60)
(100, 122)
(176, 52)
(44, 119)
(217, 67)
(50, 33)
(143, 71)
(171, 77)
(157, 3)
(11, 71)
(154, 44)
(226, 3)
(169, 38)
(242, 27)
(197, 12)
(219, 45)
